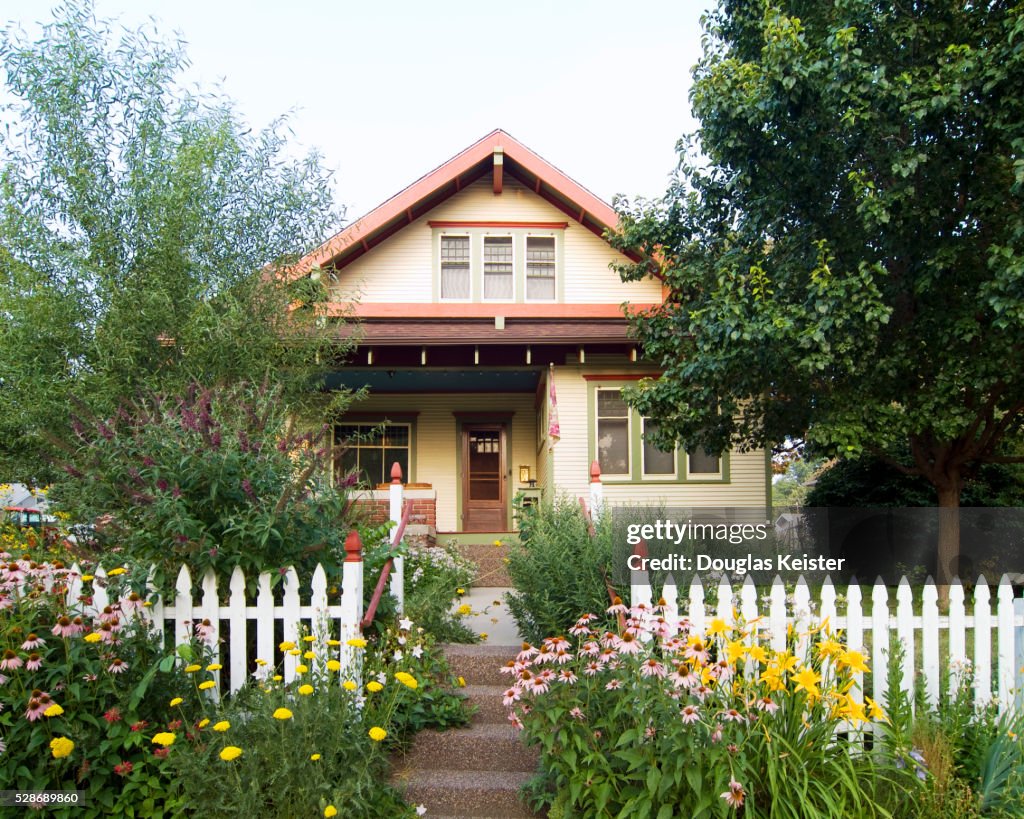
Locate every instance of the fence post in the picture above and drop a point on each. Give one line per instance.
(640, 580)
(1018, 612)
(351, 596)
(596, 491)
(397, 585)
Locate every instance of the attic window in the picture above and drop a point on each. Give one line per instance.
(540, 268)
(455, 267)
(497, 267)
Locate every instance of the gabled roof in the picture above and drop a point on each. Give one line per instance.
(495, 154)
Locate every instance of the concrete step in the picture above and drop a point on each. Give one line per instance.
(491, 615)
(481, 664)
(483, 747)
(492, 563)
(463, 793)
(487, 700)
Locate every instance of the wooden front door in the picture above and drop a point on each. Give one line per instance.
(484, 478)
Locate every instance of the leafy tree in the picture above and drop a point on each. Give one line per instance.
(846, 263)
(143, 233)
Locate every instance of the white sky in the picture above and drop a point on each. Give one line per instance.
(389, 90)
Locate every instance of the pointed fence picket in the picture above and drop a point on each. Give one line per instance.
(942, 638)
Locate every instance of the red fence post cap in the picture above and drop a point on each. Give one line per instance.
(595, 472)
(396, 472)
(353, 548)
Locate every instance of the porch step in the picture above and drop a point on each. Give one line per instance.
(491, 561)
(475, 771)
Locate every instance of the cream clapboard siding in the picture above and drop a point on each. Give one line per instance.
(437, 444)
(400, 268)
(746, 487)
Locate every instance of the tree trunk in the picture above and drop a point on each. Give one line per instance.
(948, 563)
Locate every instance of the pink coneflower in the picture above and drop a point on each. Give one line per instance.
(576, 713)
(205, 630)
(108, 632)
(683, 676)
(33, 642)
(617, 607)
(5, 602)
(118, 666)
(690, 714)
(557, 643)
(628, 644)
(36, 706)
(90, 677)
(592, 668)
(63, 628)
(511, 667)
(562, 657)
(579, 629)
(516, 722)
(11, 661)
(732, 715)
(735, 795)
(108, 615)
(590, 649)
(545, 654)
(701, 692)
(607, 655)
(547, 674)
(640, 609)
(716, 734)
(767, 704)
(34, 661)
(652, 668)
(696, 651)
(613, 685)
(566, 676)
(132, 601)
(537, 686)
(526, 653)
(77, 627)
(509, 697)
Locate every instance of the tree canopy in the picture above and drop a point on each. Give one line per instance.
(843, 241)
(143, 229)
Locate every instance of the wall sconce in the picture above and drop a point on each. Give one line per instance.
(524, 474)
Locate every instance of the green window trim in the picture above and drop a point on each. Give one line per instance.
(636, 446)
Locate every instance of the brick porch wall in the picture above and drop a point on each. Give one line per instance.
(376, 504)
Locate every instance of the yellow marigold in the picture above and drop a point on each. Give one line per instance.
(333, 665)
(176, 702)
(376, 733)
(260, 662)
(230, 753)
(308, 655)
(87, 577)
(93, 637)
(373, 687)
(348, 685)
(192, 669)
(214, 667)
(60, 747)
(296, 652)
(497, 543)
(287, 645)
(222, 726)
(278, 678)
(330, 811)
(301, 668)
(309, 638)
(53, 711)
(165, 738)
(462, 682)
(460, 592)
(333, 643)
(116, 572)
(483, 635)
(282, 713)
(356, 642)
(465, 609)
(305, 690)
(315, 757)
(407, 679)
(206, 685)
(203, 723)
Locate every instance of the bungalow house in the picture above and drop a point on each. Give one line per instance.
(494, 345)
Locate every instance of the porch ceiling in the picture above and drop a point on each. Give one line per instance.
(427, 379)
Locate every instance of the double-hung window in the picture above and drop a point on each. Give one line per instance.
(498, 268)
(455, 281)
(612, 433)
(540, 268)
(657, 462)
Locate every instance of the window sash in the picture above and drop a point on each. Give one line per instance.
(656, 461)
(613, 433)
(498, 267)
(371, 449)
(540, 268)
(455, 270)
(702, 462)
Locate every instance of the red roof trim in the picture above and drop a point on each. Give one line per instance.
(435, 223)
(577, 199)
(488, 310)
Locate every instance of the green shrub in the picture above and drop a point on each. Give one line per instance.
(433, 578)
(643, 722)
(558, 570)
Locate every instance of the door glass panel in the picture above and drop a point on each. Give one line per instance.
(485, 465)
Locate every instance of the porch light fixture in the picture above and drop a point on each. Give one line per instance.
(524, 474)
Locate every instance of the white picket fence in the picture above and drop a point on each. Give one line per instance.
(996, 633)
(272, 621)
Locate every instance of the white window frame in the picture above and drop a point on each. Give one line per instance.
(628, 474)
(526, 267)
(483, 267)
(440, 266)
